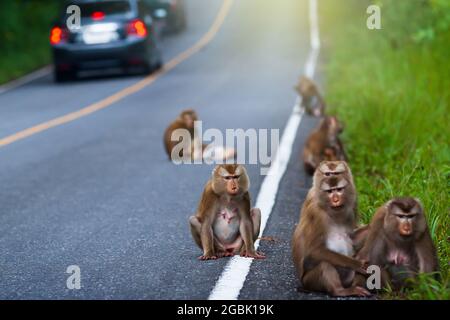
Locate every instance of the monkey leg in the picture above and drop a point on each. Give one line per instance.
(360, 281)
(306, 104)
(346, 275)
(396, 276)
(325, 278)
(195, 231)
(231, 249)
(255, 213)
(196, 226)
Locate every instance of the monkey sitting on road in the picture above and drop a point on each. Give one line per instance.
(312, 100)
(186, 121)
(342, 169)
(225, 224)
(323, 144)
(322, 247)
(399, 242)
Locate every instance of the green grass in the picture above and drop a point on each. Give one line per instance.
(24, 31)
(391, 89)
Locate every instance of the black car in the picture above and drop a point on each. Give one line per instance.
(173, 11)
(112, 34)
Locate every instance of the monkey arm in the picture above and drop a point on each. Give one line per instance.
(426, 252)
(324, 254)
(206, 214)
(246, 226)
(375, 228)
(246, 231)
(359, 236)
(207, 238)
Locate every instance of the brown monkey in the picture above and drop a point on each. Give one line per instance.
(321, 245)
(312, 100)
(399, 242)
(332, 168)
(340, 168)
(224, 223)
(185, 120)
(323, 144)
(328, 169)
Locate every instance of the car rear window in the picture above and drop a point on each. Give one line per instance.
(107, 7)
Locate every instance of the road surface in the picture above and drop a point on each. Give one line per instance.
(99, 192)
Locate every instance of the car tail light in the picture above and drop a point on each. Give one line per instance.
(98, 15)
(57, 35)
(137, 28)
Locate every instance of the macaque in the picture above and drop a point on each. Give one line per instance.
(186, 120)
(328, 169)
(339, 168)
(224, 224)
(322, 247)
(312, 100)
(323, 144)
(399, 242)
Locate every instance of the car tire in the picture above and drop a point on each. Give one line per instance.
(158, 65)
(60, 76)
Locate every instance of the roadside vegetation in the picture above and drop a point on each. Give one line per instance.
(24, 31)
(391, 89)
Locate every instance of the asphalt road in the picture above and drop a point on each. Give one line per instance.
(100, 193)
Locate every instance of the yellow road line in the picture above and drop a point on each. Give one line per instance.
(102, 104)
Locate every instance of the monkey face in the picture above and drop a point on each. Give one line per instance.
(333, 192)
(405, 218)
(232, 182)
(332, 168)
(189, 117)
(231, 179)
(189, 121)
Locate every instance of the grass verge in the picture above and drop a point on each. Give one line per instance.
(24, 31)
(391, 89)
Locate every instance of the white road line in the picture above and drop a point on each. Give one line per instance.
(232, 279)
(25, 79)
